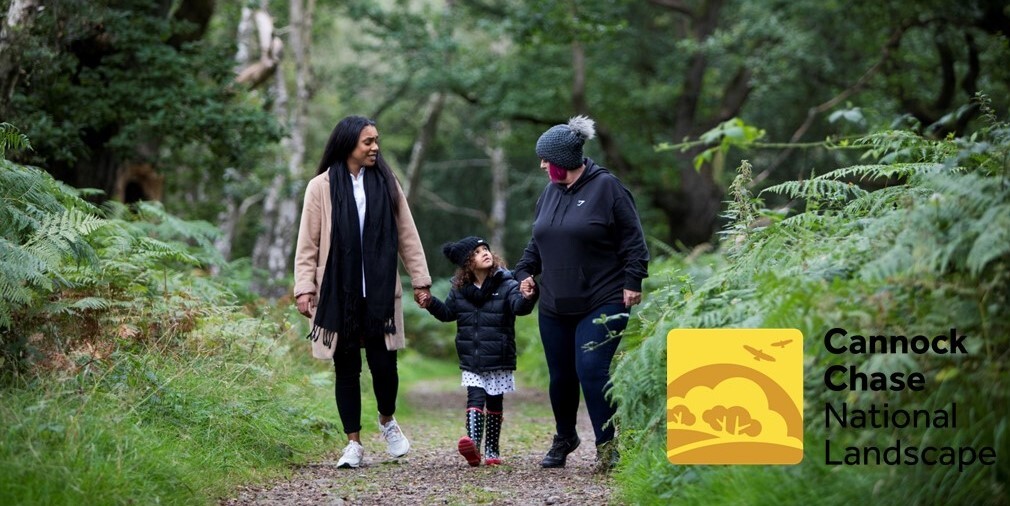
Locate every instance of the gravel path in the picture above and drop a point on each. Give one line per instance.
(434, 473)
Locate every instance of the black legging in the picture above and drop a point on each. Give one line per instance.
(476, 397)
(385, 381)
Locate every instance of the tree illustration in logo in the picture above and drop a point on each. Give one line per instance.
(734, 420)
(681, 414)
(734, 396)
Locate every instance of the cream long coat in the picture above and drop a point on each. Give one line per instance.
(314, 246)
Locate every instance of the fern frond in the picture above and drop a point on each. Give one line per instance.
(993, 239)
(881, 171)
(63, 236)
(886, 200)
(808, 221)
(971, 192)
(896, 259)
(169, 227)
(21, 275)
(90, 303)
(817, 189)
(11, 138)
(154, 252)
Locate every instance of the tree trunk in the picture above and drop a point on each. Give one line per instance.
(20, 15)
(692, 209)
(579, 78)
(436, 102)
(259, 24)
(499, 188)
(273, 249)
(499, 199)
(228, 221)
(250, 47)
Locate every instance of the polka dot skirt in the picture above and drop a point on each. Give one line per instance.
(494, 382)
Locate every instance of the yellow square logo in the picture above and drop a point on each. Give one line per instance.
(734, 396)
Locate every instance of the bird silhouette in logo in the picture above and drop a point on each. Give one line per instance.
(782, 344)
(758, 354)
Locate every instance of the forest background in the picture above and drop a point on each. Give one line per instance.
(879, 129)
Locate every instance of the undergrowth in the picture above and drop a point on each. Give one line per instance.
(127, 373)
(926, 252)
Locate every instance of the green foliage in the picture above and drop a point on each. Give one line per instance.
(42, 225)
(126, 371)
(69, 268)
(179, 425)
(728, 134)
(12, 139)
(925, 253)
(103, 84)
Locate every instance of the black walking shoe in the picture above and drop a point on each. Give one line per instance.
(559, 451)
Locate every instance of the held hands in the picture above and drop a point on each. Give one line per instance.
(528, 288)
(304, 302)
(631, 298)
(422, 296)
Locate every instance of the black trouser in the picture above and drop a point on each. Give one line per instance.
(571, 364)
(385, 381)
(476, 397)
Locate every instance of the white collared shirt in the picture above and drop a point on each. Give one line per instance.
(358, 183)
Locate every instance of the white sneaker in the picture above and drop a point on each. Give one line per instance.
(352, 455)
(396, 443)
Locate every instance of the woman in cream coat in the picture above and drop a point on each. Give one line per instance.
(355, 221)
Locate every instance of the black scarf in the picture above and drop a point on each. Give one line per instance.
(340, 311)
(480, 295)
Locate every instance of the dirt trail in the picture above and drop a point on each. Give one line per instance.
(433, 473)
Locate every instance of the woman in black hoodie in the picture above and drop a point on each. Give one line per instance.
(589, 250)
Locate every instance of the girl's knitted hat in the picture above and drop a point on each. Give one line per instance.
(459, 252)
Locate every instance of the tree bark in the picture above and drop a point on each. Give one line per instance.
(436, 102)
(20, 15)
(499, 198)
(692, 209)
(228, 219)
(273, 249)
(255, 73)
(579, 78)
(494, 220)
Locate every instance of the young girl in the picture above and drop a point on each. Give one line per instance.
(484, 301)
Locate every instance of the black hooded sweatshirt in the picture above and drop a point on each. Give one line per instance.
(587, 243)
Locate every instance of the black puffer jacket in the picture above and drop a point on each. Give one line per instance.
(485, 322)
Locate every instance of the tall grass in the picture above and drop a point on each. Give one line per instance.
(182, 426)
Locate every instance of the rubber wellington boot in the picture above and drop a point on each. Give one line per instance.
(469, 445)
(493, 421)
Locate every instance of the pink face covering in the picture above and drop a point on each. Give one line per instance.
(556, 173)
